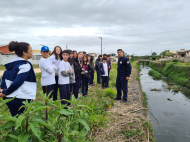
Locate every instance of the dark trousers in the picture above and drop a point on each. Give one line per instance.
(91, 78)
(84, 86)
(71, 88)
(48, 89)
(105, 81)
(64, 91)
(122, 84)
(98, 76)
(56, 86)
(108, 73)
(14, 106)
(76, 87)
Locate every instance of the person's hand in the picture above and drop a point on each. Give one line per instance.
(70, 70)
(83, 69)
(127, 78)
(87, 63)
(94, 71)
(2, 95)
(66, 71)
(1, 90)
(81, 65)
(109, 67)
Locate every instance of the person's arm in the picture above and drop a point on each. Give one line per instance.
(71, 72)
(3, 84)
(128, 65)
(24, 71)
(64, 73)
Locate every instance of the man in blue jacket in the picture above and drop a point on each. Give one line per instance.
(123, 74)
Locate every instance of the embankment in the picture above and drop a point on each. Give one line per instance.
(179, 73)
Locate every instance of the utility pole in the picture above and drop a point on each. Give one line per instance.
(66, 46)
(101, 44)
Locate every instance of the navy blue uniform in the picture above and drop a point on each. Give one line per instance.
(123, 71)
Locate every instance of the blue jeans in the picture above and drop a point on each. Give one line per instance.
(122, 84)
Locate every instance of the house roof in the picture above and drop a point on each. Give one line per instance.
(3, 45)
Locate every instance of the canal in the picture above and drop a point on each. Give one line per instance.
(173, 116)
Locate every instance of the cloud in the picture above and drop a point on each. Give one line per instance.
(80, 24)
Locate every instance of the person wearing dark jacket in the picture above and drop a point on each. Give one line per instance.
(19, 79)
(98, 61)
(123, 74)
(91, 77)
(103, 68)
(86, 67)
(77, 69)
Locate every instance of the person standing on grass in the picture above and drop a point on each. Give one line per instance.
(123, 74)
(85, 74)
(65, 70)
(71, 76)
(77, 69)
(91, 74)
(48, 70)
(19, 79)
(103, 68)
(56, 58)
(98, 61)
(109, 58)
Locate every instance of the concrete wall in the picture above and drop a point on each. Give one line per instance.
(183, 59)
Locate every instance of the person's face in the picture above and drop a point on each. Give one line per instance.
(75, 54)
(100, 58)
(45, 54)
(80, 55)
(58, 50)
(89, 58)
(29, 53)
(71, 55)
(109, 57)
(104, 61)
(85, 59)
(65, 56)
(120, 53)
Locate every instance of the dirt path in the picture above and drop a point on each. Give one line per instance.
(125, 116)
(35, 70)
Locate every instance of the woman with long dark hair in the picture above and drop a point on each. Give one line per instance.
(86, 68)
(77, 69)
(56, 58)
(19, 79)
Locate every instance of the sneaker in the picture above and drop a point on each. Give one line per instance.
(117, 99)
(123, 101)
(92, 84)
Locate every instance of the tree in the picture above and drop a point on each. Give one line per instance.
(166, 53)
(154, 54)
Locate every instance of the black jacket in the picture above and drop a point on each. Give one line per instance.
(77, 69)
(98, 61)
(91, 63)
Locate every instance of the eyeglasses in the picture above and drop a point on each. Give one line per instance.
(58, 50)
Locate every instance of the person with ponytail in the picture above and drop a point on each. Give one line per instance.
(19, 79)
(56, 58)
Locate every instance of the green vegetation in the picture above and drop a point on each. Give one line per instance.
(174, 60)
(179, 72)
(72, 124)
(153, 58)
(156, 75)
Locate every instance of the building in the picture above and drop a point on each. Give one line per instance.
(4, 49)
(7, 57)
(95, 55)
(179, 53)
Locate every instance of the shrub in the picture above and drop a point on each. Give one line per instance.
(153, 58)
(174, 60)
(156, 75)
(110, 93)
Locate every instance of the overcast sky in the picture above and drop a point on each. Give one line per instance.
(136, 26)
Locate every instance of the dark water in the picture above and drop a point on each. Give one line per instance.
(173, 116)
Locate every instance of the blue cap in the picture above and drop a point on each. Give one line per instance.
(45, 48)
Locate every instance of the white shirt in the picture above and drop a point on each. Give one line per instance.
(48, 72)
(63, 66)
(55, 62)
(105, 66)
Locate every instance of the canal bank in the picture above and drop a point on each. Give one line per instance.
(128, 121)
(173, 115)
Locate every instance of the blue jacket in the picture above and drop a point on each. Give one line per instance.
(101, 68)
(19, 80)
(124, 67)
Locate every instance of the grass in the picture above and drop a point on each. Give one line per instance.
(155, 74)
(177, 71)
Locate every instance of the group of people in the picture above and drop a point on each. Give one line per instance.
(65, 70)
